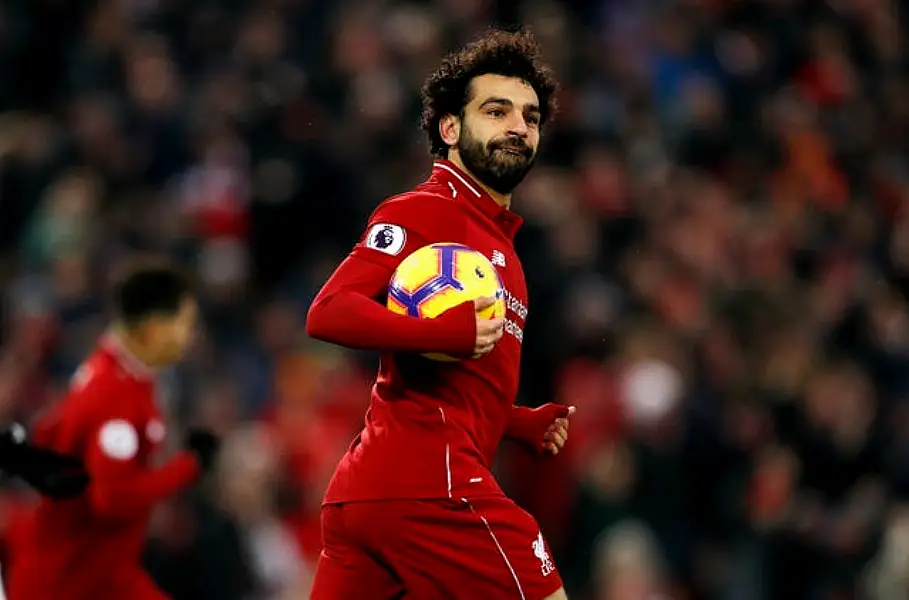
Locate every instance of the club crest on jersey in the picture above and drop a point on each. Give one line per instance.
(539, 550)
(118, 439)
(386, 238)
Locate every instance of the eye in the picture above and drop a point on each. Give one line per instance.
(533, 119)
(496, 112)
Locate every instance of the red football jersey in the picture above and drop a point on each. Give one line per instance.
(90, 546)
(432, 428)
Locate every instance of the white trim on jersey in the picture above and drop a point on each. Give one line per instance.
(459, 178)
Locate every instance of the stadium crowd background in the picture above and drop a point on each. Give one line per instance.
(717, 246)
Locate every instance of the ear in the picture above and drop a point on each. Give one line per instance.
(450, 129)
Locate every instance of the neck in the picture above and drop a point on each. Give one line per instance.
(133, 346)
(503, 200)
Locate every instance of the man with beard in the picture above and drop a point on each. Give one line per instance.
(413, 509)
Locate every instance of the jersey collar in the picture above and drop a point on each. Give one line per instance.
(129, 362)
(462, 183)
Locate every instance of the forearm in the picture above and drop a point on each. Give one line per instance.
(518, 419)
(353, 320)
(346, 312)
(121, 496)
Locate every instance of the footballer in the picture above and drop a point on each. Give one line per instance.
(413, 509)
(89, 545)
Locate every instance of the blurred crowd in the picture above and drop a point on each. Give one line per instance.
(717, 248)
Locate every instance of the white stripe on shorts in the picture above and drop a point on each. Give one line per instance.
(495, 540)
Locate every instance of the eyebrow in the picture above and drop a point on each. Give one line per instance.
(530, 107)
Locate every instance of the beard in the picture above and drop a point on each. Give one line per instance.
(502, 170)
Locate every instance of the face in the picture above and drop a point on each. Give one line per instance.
(498, 135)
(169, 336)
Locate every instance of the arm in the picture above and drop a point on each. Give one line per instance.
(120, 487)
(522, 426)
(534, 427)
(52, 474)
(348, 310)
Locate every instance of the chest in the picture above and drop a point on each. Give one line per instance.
(123, 420)
(146, 418)
(499, 249)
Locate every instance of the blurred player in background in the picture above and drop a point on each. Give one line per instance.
(89, 547)
(413, 507)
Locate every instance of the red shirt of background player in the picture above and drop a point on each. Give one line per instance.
(432, 429)
(90, 547)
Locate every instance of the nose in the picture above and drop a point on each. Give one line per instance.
(518, 126)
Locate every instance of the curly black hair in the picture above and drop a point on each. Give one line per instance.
(511, 54)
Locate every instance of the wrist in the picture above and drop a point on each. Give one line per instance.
(519, 422)
(523, 427)
(455, 330)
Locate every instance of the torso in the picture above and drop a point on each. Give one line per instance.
(433, 427)
(70, 427)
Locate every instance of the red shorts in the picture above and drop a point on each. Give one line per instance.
(433, 550)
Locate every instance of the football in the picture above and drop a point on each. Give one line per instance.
(441, 276)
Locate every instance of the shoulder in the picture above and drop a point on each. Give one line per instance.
(418, 205)
(424, 210)
(95, 376)
(103, 406)
(101, 388)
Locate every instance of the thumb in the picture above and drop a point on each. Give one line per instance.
(558, 411)
(483, 303)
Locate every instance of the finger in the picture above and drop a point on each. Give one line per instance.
(560, 423)
(483, 303)
(490, 339)
(558, 411)
(484, 349)
(559, 433)
(488, 334)
(560, 428)
(487, 343)
(550, 448)
(556, 438)
(490, 325)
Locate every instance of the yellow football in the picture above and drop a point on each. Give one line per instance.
(441, 276)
